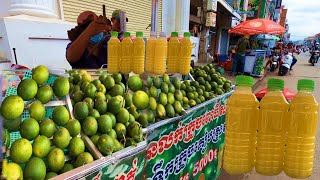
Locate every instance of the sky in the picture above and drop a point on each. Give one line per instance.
(303, 18)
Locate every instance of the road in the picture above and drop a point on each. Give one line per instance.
(302, 70)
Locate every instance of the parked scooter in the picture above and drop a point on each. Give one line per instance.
(314, 57)
(285, 64)
(299, 51)
(275, 59)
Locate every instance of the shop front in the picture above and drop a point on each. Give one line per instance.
(225, 18)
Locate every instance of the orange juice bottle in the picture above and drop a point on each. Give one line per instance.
(114, 51)
(150, 51)
(160, 55)
(173, 53)
(272, 129)
(241, 128)
(185, 54)
(126, 54)
(137, 64)
(303, 126)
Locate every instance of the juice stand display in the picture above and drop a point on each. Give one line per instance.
(90, 125)
(95, 127)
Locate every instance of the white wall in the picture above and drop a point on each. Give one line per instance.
(39, 42)
(168, 16)
(182, 16)
(4, 43)
(175, 16)
(4, 6)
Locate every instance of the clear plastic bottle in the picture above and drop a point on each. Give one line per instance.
(272, 129)
(173, 53)
(137, 64)
(126, 54)
(150, 52)
(241, 127)
(303, 125)
(160, 56)
(114, 53)
(185, 54)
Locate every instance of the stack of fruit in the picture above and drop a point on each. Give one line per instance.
(109, 112)
(210, 81)
(40, 134)
(207, 85)
(258, 67)
(105, 111)
(165, 96)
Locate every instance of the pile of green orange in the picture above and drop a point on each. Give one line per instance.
(209, 80)
(41, 156)
(166, 98)
(106, 111)
(169, 97)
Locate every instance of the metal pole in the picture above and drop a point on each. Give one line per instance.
(154, 15)
(245, 8)
(123, 21)
(15, 55)
(259, 9)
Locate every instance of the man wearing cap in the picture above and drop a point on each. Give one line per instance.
(88, 46)
(242, 47)
(116, 25)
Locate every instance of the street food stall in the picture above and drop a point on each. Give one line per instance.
(255, 60)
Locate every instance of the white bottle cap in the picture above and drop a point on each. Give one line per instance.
(162, 34)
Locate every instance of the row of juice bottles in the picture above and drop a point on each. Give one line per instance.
(158, 56)
(273, 135)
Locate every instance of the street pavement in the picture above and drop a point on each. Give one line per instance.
(302, 70)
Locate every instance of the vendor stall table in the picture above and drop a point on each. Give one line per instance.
(174, 148)
(254, 62)
(189, 146)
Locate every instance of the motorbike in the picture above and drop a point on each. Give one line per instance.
(274, 62)
(299, 51)
(314, 57)
(285, 64)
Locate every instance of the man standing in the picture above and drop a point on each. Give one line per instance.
(242, 47)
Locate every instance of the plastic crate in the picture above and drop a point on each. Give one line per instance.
(27, 74)
(11, 91)
(25, 114)
(51, 79)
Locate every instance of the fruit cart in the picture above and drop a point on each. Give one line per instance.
(193, 137)
(142, 160)
(254, 63)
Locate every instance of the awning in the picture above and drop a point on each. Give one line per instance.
(229, 8)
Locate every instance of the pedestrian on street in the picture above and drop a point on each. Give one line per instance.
(239, 59)
(291, 49)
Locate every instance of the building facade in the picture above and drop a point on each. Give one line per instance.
(46, 22)
(137, 11)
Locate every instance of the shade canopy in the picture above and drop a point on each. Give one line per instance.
(287, 93)
(258, 26)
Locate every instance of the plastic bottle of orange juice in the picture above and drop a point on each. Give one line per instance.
(137, 64)
(173, 53)
(303, 125)
(272, 129)
(126, 54)
(150, 52)
(160, 55)
(185, 54)
(241, 128)
(114, 53)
